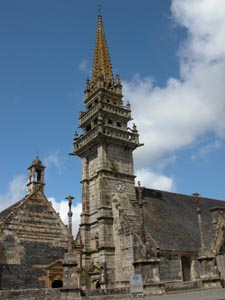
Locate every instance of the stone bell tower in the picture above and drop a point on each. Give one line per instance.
(106, 148)
(35, 175)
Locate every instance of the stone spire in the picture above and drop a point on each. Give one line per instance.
(101, 65)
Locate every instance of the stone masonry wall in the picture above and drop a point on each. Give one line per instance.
(170, 268)
(32, 294)
(29, 273)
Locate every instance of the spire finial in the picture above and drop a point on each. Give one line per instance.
(99, 7)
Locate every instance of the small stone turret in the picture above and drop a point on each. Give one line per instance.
(35, 175)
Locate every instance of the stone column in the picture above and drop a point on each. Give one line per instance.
(148, 263)
(209, 271)
(149, 269)
(70, 290)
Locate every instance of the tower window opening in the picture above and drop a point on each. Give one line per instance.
(96, 121)
(88, 128)
(110, 122)
(118, 124)
(37, 175)
(89, 106)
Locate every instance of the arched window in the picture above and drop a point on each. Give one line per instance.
(57, 284)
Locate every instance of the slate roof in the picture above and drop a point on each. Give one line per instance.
(171, 219)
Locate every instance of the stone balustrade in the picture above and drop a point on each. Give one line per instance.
(108, 131)
(120, 111)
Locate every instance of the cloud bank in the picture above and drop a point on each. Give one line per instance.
(188, 107)
(16, 191)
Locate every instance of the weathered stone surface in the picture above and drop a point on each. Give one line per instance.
(32, 236)
(31, 294)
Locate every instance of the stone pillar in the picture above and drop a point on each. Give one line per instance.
(70, 214)
(149, 269)
(70, 290)
(209, 271)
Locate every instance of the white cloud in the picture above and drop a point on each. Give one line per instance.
(16, 191)
(189, 107)
(62, 208)
(53, 160)
(207, 149)
(149, 178)
(84, 66)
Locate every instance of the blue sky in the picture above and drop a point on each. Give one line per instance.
(170, 56)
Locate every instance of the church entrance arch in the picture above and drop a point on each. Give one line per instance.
(186, 268)
(57, 284)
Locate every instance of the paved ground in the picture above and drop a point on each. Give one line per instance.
(218, 294)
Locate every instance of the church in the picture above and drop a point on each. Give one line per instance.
(166, 237)
(174, 241)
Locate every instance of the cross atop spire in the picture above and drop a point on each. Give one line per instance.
(101, 65)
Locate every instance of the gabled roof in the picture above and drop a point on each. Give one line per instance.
(33, 218)
(13, 208)
(171, 219)
(58, 262)
(9, 210)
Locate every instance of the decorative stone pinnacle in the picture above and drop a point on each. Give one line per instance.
(196, 195)
(118, 81)
(134, 128)
(128, 104)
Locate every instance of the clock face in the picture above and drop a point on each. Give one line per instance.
(120, 186)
